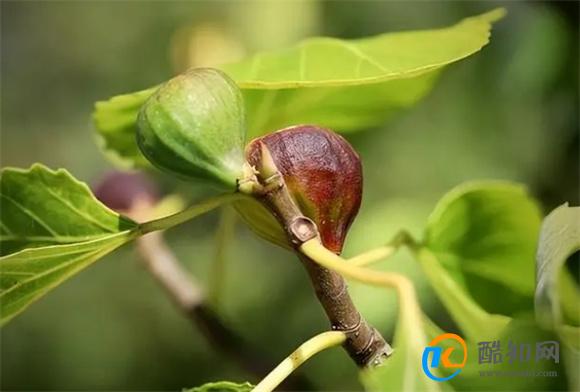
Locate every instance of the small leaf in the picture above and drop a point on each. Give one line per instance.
(222, 386)
(346, 85)
(559, 238)
(56, 227)
(116, 123)
(485, 235)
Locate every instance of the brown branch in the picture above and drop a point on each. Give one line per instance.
(162, 264)
(364, 344)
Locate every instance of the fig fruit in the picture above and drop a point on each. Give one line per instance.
(194, 127)
(323, 175)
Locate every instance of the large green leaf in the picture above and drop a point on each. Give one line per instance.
(557, 294)
(346, 85)
(325, 62)
(51, 227)
(559, 238)
(485, 234)
(510, 372)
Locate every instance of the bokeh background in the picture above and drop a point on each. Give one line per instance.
(509, 112)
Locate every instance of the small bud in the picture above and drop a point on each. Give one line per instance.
(120, 191)
(194, 126)
(322, 172)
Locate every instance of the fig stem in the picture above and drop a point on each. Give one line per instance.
(383, 252)
(189, 213)
(306, 350)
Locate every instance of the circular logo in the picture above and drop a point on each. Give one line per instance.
(441, 350)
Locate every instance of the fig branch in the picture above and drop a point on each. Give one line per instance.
(133, 195)
(364, 344)
(191, 300)
(299, 184)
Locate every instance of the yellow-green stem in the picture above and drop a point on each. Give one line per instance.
(187, 214)
(224, 236)
(308, 349)
(383, 252)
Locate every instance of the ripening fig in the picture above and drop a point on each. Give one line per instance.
(323, 175)
(194, 127)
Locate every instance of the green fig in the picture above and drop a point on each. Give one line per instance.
(193, 126)
(323, 175)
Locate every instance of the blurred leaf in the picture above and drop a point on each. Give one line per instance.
(557, 293)
(485, 234)
(56, 227)
(261, 221)
(44, 207)
(115, 121)
(559, 238)
(222, 386)
(569, 294)
(482, 376)
(475, 323)
(343, 84)
(170, 204)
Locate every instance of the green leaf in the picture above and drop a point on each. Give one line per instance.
(485, 235)
(363, 61)
(475, 323)
(222, 386)
(52, 226)
(340, 108)
(44, 207)
(559, 238)
(557, 294)
(346, 85)
(116, 121)
(483, 377)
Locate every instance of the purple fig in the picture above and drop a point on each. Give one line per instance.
(323, 174)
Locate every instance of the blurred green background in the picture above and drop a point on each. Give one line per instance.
(509, 112)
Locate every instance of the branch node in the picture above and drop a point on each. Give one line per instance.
(301, 229)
